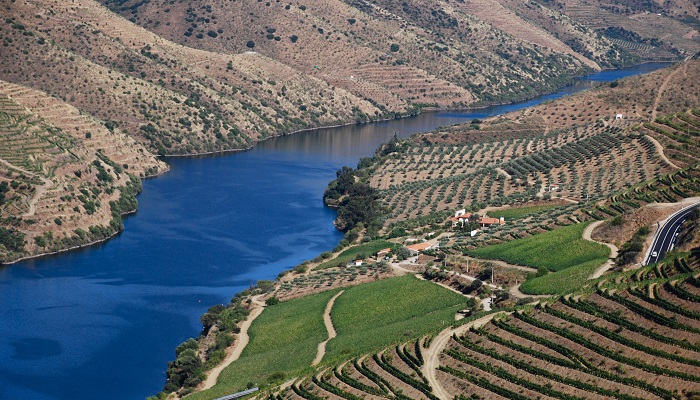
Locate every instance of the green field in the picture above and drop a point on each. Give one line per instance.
(564, 281)
(283, 341)
(556, 250)
(347, 255)
(371, 316)
(517, 212)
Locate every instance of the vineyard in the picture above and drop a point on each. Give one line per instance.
(425, 182)
(678, 134)
(392, 373)
(634, 335)
(65, 179)
(667, 188)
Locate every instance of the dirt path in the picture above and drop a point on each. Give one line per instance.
(503, 172)
(613, 250)
(39, 192)
(660, 152)
(662, 89)
(329, 327)
(432, 355)
(515, 292)
(503, 264)
(238, 346)
(446, 286)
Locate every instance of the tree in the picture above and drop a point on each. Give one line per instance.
(403, 253)
(394, 47)
(477, 284)
(265, 286)
(250, 44)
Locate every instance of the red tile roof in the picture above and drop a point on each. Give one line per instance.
(419, 246)
(491, 221)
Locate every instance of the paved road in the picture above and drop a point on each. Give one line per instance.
(665, 238)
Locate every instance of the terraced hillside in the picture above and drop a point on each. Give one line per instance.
(65, 179)
(636, 341)
(634, 25)
(175, 99)
(632, 336)
(449, 59)
(612, 147)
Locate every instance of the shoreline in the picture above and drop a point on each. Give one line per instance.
(78, 247)
(255, 143)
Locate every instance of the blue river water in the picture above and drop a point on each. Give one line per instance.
(102, 322)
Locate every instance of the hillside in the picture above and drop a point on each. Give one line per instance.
(516, 158)
(65, 179)
(185, 78)
(635, 339)
(548, 311)
(629, 335)
(488, 50)
(174, 99)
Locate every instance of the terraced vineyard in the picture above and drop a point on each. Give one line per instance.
(668, 188)
(678, 134)
(630, 339)
(393, 373)
(635, 335)
(65, 179)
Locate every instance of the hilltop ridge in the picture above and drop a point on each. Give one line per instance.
(185, 78)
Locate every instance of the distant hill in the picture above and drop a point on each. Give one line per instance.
(155, 77)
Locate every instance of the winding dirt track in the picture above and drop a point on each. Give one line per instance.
(39, 192)
(613, 250)
(660, 152)
(432, 355)
(238, 346)
(662, 89)
(329, 327)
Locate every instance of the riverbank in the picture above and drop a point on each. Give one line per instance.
(210, 227)
(418, 112)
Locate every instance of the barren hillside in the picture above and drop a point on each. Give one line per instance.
(432, 53)
(177, 99)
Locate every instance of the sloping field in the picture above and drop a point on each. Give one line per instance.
(556, 250)
(67, 177)
(638, 341)
(371, 316)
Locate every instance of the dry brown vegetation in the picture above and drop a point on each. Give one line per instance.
(615, 166)
(437, 53)
(177, 78)
(69, 177)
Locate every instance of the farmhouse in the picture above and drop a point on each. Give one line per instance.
(460, 219)
(383, 252)
(488, 221)
(419, 247)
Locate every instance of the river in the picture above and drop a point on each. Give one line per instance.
(102, 322)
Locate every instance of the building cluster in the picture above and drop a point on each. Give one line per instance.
(462, 216)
